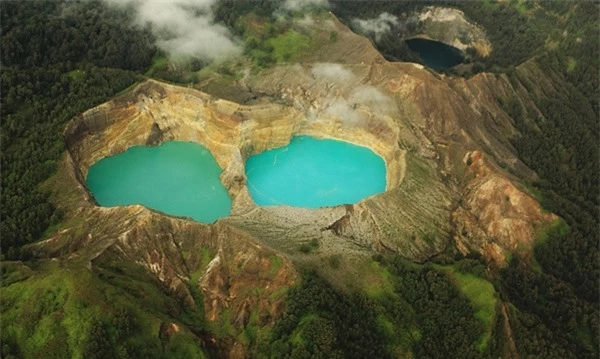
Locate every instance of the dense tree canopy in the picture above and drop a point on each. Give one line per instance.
(58, 59)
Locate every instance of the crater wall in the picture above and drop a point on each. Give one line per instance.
(154, 113)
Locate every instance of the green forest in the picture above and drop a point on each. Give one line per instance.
(59, 59)
(55, 65)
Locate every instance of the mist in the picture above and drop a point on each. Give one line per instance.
(298, 5)
(185, 29)
(332, 72)
(372, 97)
(348, 108)
(344, 110)
(378, 26)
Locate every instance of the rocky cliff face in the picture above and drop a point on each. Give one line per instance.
(495, 217)
(451, 27)
(442, 140)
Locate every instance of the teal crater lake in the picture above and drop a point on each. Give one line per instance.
(176, 178)
(314, 173)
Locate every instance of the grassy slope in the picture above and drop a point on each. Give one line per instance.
(377, 283)
(397, 316)
(289, 45)
(57, 310)
(483, 298)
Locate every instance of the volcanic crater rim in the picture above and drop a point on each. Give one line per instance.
(183, 114)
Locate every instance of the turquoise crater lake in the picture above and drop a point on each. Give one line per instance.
(315, 173)
(177, 178)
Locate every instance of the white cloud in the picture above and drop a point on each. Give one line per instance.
(372, 97)
(363, 97)
(298, 5)
(306, 21)
(184, 28)
(377, 26)
(344, 110)
(332, 72)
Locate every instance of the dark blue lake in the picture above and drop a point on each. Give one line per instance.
(435, 54)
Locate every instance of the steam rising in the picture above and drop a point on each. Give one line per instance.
(378, 26)
(372, 97)
(332, 72)
(344, 110)
(362, 100)
(184, 28)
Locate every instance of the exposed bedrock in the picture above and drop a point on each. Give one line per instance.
(155, 113)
